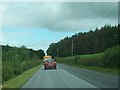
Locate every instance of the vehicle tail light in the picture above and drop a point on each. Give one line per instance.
(53, 63)
(46, 63)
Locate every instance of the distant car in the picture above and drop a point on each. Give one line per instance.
(50, 63)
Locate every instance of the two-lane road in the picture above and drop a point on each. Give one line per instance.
(68, 77)
(56, 78)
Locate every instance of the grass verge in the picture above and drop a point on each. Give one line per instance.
(21, 79)
(98, 69)
(91, 61)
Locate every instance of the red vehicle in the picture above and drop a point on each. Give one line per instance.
(50, 63)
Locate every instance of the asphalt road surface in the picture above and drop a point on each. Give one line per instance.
(56, 78)
(101, 80)
(65, 77)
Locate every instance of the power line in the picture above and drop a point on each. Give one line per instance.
(105, 17)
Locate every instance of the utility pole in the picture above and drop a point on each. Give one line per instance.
(72, 48)
(57, 52)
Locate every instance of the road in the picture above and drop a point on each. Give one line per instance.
(101, 80)
(62, 78)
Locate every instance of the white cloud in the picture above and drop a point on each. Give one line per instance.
(57, 16)
(2, 8)
(31, 14)
(59, 0)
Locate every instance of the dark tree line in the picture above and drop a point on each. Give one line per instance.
(17, 60)
(87, 42)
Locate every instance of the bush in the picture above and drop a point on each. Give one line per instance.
(108, 59)
(17, 60)
(111, 57)
(7, 72)
(76, 59)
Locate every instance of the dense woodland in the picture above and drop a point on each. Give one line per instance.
(17, 60)
(86, 42)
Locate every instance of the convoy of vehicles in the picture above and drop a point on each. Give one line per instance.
(49, 62)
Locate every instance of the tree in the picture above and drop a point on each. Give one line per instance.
(87, 42)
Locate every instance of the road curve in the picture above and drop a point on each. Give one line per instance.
(56, 78)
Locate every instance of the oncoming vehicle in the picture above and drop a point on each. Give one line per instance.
(50, 63)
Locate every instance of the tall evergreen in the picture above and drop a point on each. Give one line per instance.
(87, 42)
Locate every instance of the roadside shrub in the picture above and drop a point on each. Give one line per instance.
(17, 70)
(17, 60)
(111, 57)
(7, 72)
(24, 67)
(76, 59)
(108, 59)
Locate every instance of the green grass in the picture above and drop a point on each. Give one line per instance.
(98, 69)
(82, 57)
(90, 61)
(91, 56)
(21, 79)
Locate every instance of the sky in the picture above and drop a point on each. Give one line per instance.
(38, 24)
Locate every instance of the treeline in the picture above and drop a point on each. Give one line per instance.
(17, 60)
(86, 43)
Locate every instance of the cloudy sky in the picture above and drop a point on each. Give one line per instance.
(38, 24)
